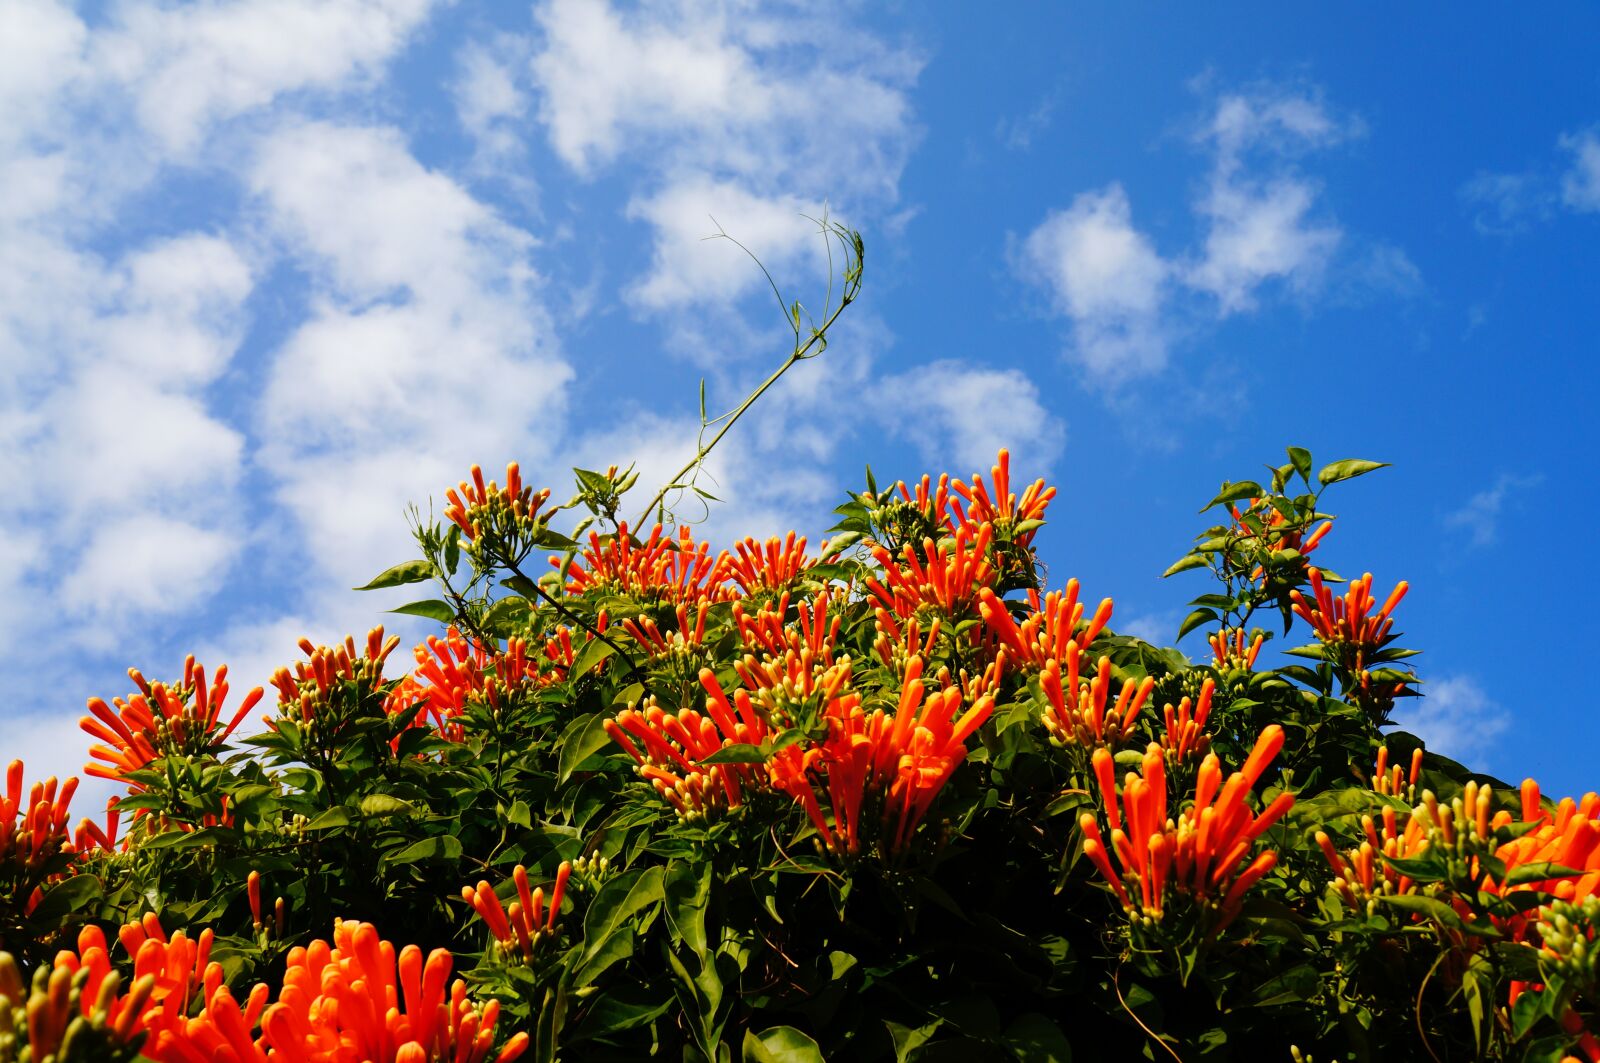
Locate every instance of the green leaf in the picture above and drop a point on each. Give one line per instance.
(384, 805)
(1429, 907)
(432, 609)
(687, 890)
(588, 659)
(1184, 564)
(582, 739)
(907, 1040)
(1035, 1039)
(333, 817)
(443, 847)
(401, 574)
(604, 939)
(1538, 872)
(737, 753)
(1195, 619)
(519, 815)
(506, 611)
(1300, 458)
(780, 1044)
(1348, 469)
(1234, 492)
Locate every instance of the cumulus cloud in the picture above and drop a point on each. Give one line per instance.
(1259, 211)
(1456, 718)
(427, 347)
(1580, 183)
(959, 415)
(1506, 204)
(1479, 518)
(1107, 279)
(1262, 226)
(737, 111)
(191, 66)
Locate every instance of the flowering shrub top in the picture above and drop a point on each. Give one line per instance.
(897, 798)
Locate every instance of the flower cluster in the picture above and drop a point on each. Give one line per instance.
(162, 721)
(307, 691)
(1198, 856)
(1050, 627)
(946, 585)
(519, 927)
(667, 569)
(1078, 712)
(505, 519)
(33, 839)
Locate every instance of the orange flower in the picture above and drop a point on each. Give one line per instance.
(308, 688)
(770, 567)
(1185, 734)
(674, 744)
(160, 721)
(766, 632)
(905, 759)
(1199, 856)
(1044, 635)
(561, 654)
(1001, 508)
(1349, 621)
(1076, 713)
(478, 507)
(525, 922)
(1394, 781)
(661, 569)
(32, 836)
(683, 643)
(452, 672)
(1277, 538)
(948, 584)
(1229, 651)
(359, 1001)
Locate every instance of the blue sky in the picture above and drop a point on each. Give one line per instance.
(271, 270)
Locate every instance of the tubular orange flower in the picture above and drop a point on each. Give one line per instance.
(905, 759)
(1394, 781)
(519, 927)
(359, 1000)
(1278, 538)
(309, 686)
(1349, 620)
(160, 721)
(1200, 855)
(768, 567)
(1077, 713)
(1001, 508)
(1229, 651)
(1185, 735)
(767, 632)
(90, 835)
(479, 507)
(662, 569)
(33, 838)
(674, 744)
(1045, 634)
(947, 584)
(682, 644)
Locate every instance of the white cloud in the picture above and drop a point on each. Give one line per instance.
(959, 416)
(145, 563)
(1259, 210)
(1480, 516)
(1107, 278)
(689, 266)
(748, 114)
(1456, 718)
(1580, 184)
(191, 66)
(1262, 227)
(427, 348)
(1505, 204)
